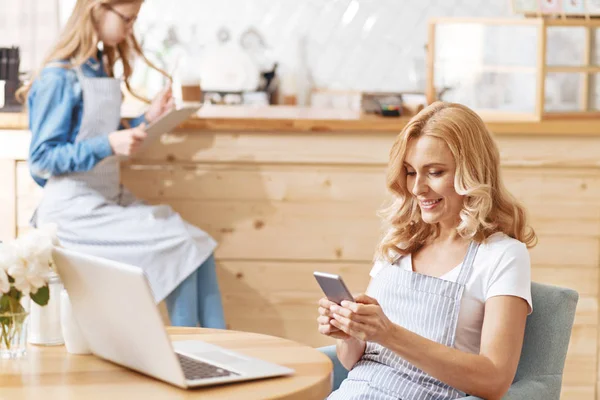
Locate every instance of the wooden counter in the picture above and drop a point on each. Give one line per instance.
(297, 119)
(13, 120)
(287, 192)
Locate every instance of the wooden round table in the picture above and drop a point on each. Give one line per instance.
(52, 373)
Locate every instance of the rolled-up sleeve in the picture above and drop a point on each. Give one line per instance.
(52, 119)
(138, 121)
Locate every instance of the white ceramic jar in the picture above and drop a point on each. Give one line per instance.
(44, 321)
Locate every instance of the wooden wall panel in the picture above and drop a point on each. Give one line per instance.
(354, 148)
(552, 210)
(578, 393)
(364, 185)
(549, 152)
(326, 231)
(358, 185)
(265, 147)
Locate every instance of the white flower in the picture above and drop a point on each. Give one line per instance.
(31, 275)
(8, 255)
(34, 245)
(28, 259)
(9, 259)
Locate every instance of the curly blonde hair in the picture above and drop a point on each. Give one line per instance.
(487, 208)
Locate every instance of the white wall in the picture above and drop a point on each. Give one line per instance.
(30, 24)
(350, 44)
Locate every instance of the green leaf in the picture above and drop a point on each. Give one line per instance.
(4, 304)
(14, 293)
(42, 296)
(15, 305)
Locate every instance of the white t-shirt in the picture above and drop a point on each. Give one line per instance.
(501, 268)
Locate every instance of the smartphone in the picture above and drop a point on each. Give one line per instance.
(333, 286)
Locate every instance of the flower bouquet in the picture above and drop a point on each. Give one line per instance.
(25, 267)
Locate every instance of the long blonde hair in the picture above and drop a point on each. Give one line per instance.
(78, 42)
(487, 206)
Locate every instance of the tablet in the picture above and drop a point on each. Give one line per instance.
(169, 121)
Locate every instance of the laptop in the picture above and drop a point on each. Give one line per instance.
(114, 307)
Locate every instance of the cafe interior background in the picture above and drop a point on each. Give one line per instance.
(285, 167)
(373, 46)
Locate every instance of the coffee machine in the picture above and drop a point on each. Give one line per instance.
(10, 60)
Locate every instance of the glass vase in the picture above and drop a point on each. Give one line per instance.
(13, 332)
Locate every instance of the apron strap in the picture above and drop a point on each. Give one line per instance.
(467, 266)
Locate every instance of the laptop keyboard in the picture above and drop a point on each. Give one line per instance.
(194, 369)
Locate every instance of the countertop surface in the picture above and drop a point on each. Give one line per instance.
(303, 119)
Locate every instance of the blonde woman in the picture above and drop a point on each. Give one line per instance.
(74, 116)
(450, 290)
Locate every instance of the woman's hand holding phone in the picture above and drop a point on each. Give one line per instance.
(324, 319)
(363, 319)
(335, 290)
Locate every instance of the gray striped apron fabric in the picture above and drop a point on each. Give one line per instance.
(96, 215)
(423, 304)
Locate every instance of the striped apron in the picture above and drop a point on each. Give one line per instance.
(95, 214)
(423, 304)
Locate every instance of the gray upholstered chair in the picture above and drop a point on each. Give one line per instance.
(547, 334)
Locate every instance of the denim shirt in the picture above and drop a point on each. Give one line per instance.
(55, 105)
